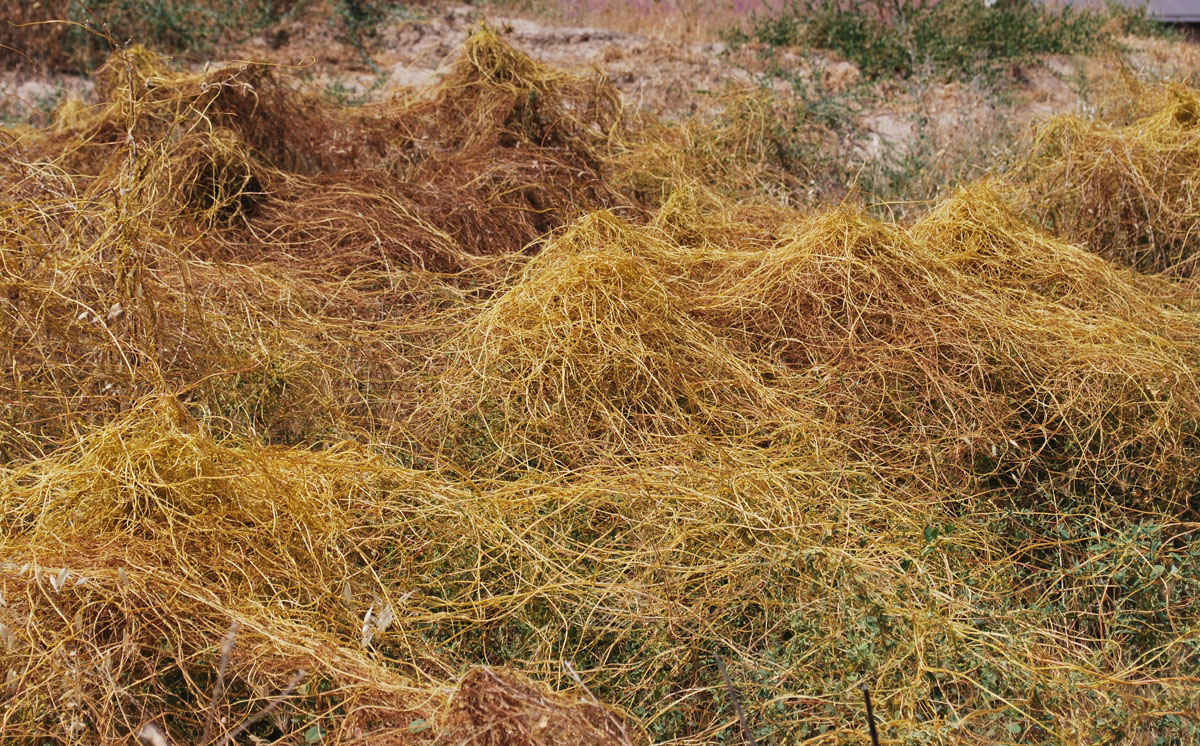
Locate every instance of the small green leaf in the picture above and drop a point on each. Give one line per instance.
(1014, 728)
(418, 725)
(313, 734)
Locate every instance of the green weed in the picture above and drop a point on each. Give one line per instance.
(85, 37)
(357, 22)
(958, 38)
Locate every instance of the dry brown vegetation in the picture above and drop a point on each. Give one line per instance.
(496, 410)
(1125, 185)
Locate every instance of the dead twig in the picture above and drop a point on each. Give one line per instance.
(270, 707)
(870, 715)
(219, 685)
(737, 705)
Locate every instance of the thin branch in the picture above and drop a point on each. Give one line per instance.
(737, 705)
(248, 722)
(870, 716)
(218, 689)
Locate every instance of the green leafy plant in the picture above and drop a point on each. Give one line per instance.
(84, 33)
(358, 20)
(956, 37)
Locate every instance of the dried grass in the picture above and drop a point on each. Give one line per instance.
(222, 234)
(1123, 185)
(478, 436)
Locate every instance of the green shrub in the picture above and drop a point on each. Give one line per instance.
(356, 22)
(1136, 21)
(77, 43)
(956, 37)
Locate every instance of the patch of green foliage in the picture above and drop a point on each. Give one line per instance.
(1136, 21)
(357, 21)
(76, 37)
(956, 37)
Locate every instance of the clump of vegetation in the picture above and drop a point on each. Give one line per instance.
(755, 147)
(207, 164)
(1124, 184)
(73, 37)
(955, 37)
(358, 20)
(1136, 19)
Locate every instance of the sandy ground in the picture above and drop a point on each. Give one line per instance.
(652, 72)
